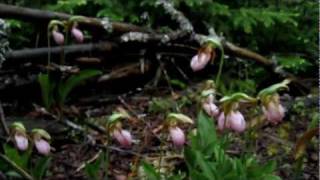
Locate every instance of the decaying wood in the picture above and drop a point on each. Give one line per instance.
(185, 35)
(28, 14)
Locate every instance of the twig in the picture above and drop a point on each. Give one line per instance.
(3, 121)
(83, 165)
(17, 168)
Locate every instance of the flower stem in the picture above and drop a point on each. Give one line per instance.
(17, 168)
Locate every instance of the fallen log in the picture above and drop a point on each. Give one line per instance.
(69, 49)
(36, 15)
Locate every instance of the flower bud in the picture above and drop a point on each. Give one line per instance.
(77, 34)
(274, 111)
(177, 136)
(123, 137)
(58, 37)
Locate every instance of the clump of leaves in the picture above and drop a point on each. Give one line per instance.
(294, 64)
(56, 92)
(17, 164)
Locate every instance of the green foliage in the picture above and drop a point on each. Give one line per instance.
(41, 168)
(161, 105)
(47, 88)
(13, 163)
(57, 92)
(67, 6)
(150, 172)
(92, 169)
(294, 64)
(206, 158)
(236, 85)
(74, 80)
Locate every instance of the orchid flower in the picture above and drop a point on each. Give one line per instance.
(77, 34)
(273, 110)
(41, 140)
(233, 120)
(177, 136)
(20, 137)
(58, 37)
(210, 108)
(123, 137)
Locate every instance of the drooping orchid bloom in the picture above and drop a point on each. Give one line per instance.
(43, 147)
(273, 110)
(177, 136)
(123, 137)
(58, 37)
(210, 108)
(233, 120)
(77, 34)
(200, 60)
(20, 139)
(41, 140)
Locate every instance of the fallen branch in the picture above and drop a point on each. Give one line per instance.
(70, 49)
(27, 14)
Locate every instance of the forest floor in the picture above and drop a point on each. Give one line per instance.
(73, 148)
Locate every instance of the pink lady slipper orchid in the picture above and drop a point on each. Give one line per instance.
(233, 120)
(210, 108)
(123, 137)
(19, 136)
(273, 110)
(199, 61)
(41, 140)
(58, 37)
(21, 141)
(42, 146)
(177, 136)
(77, 34)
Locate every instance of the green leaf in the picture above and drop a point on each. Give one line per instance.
(204, 166)
(92, 169)
(21, 159)
(271, 177)
(206, 131)
(41, 167)
(73, 81)
(46, 89)
(150, 171)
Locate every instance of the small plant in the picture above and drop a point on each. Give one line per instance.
(114, 127)
(56, 92)
(206, 159)
(19, 162)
